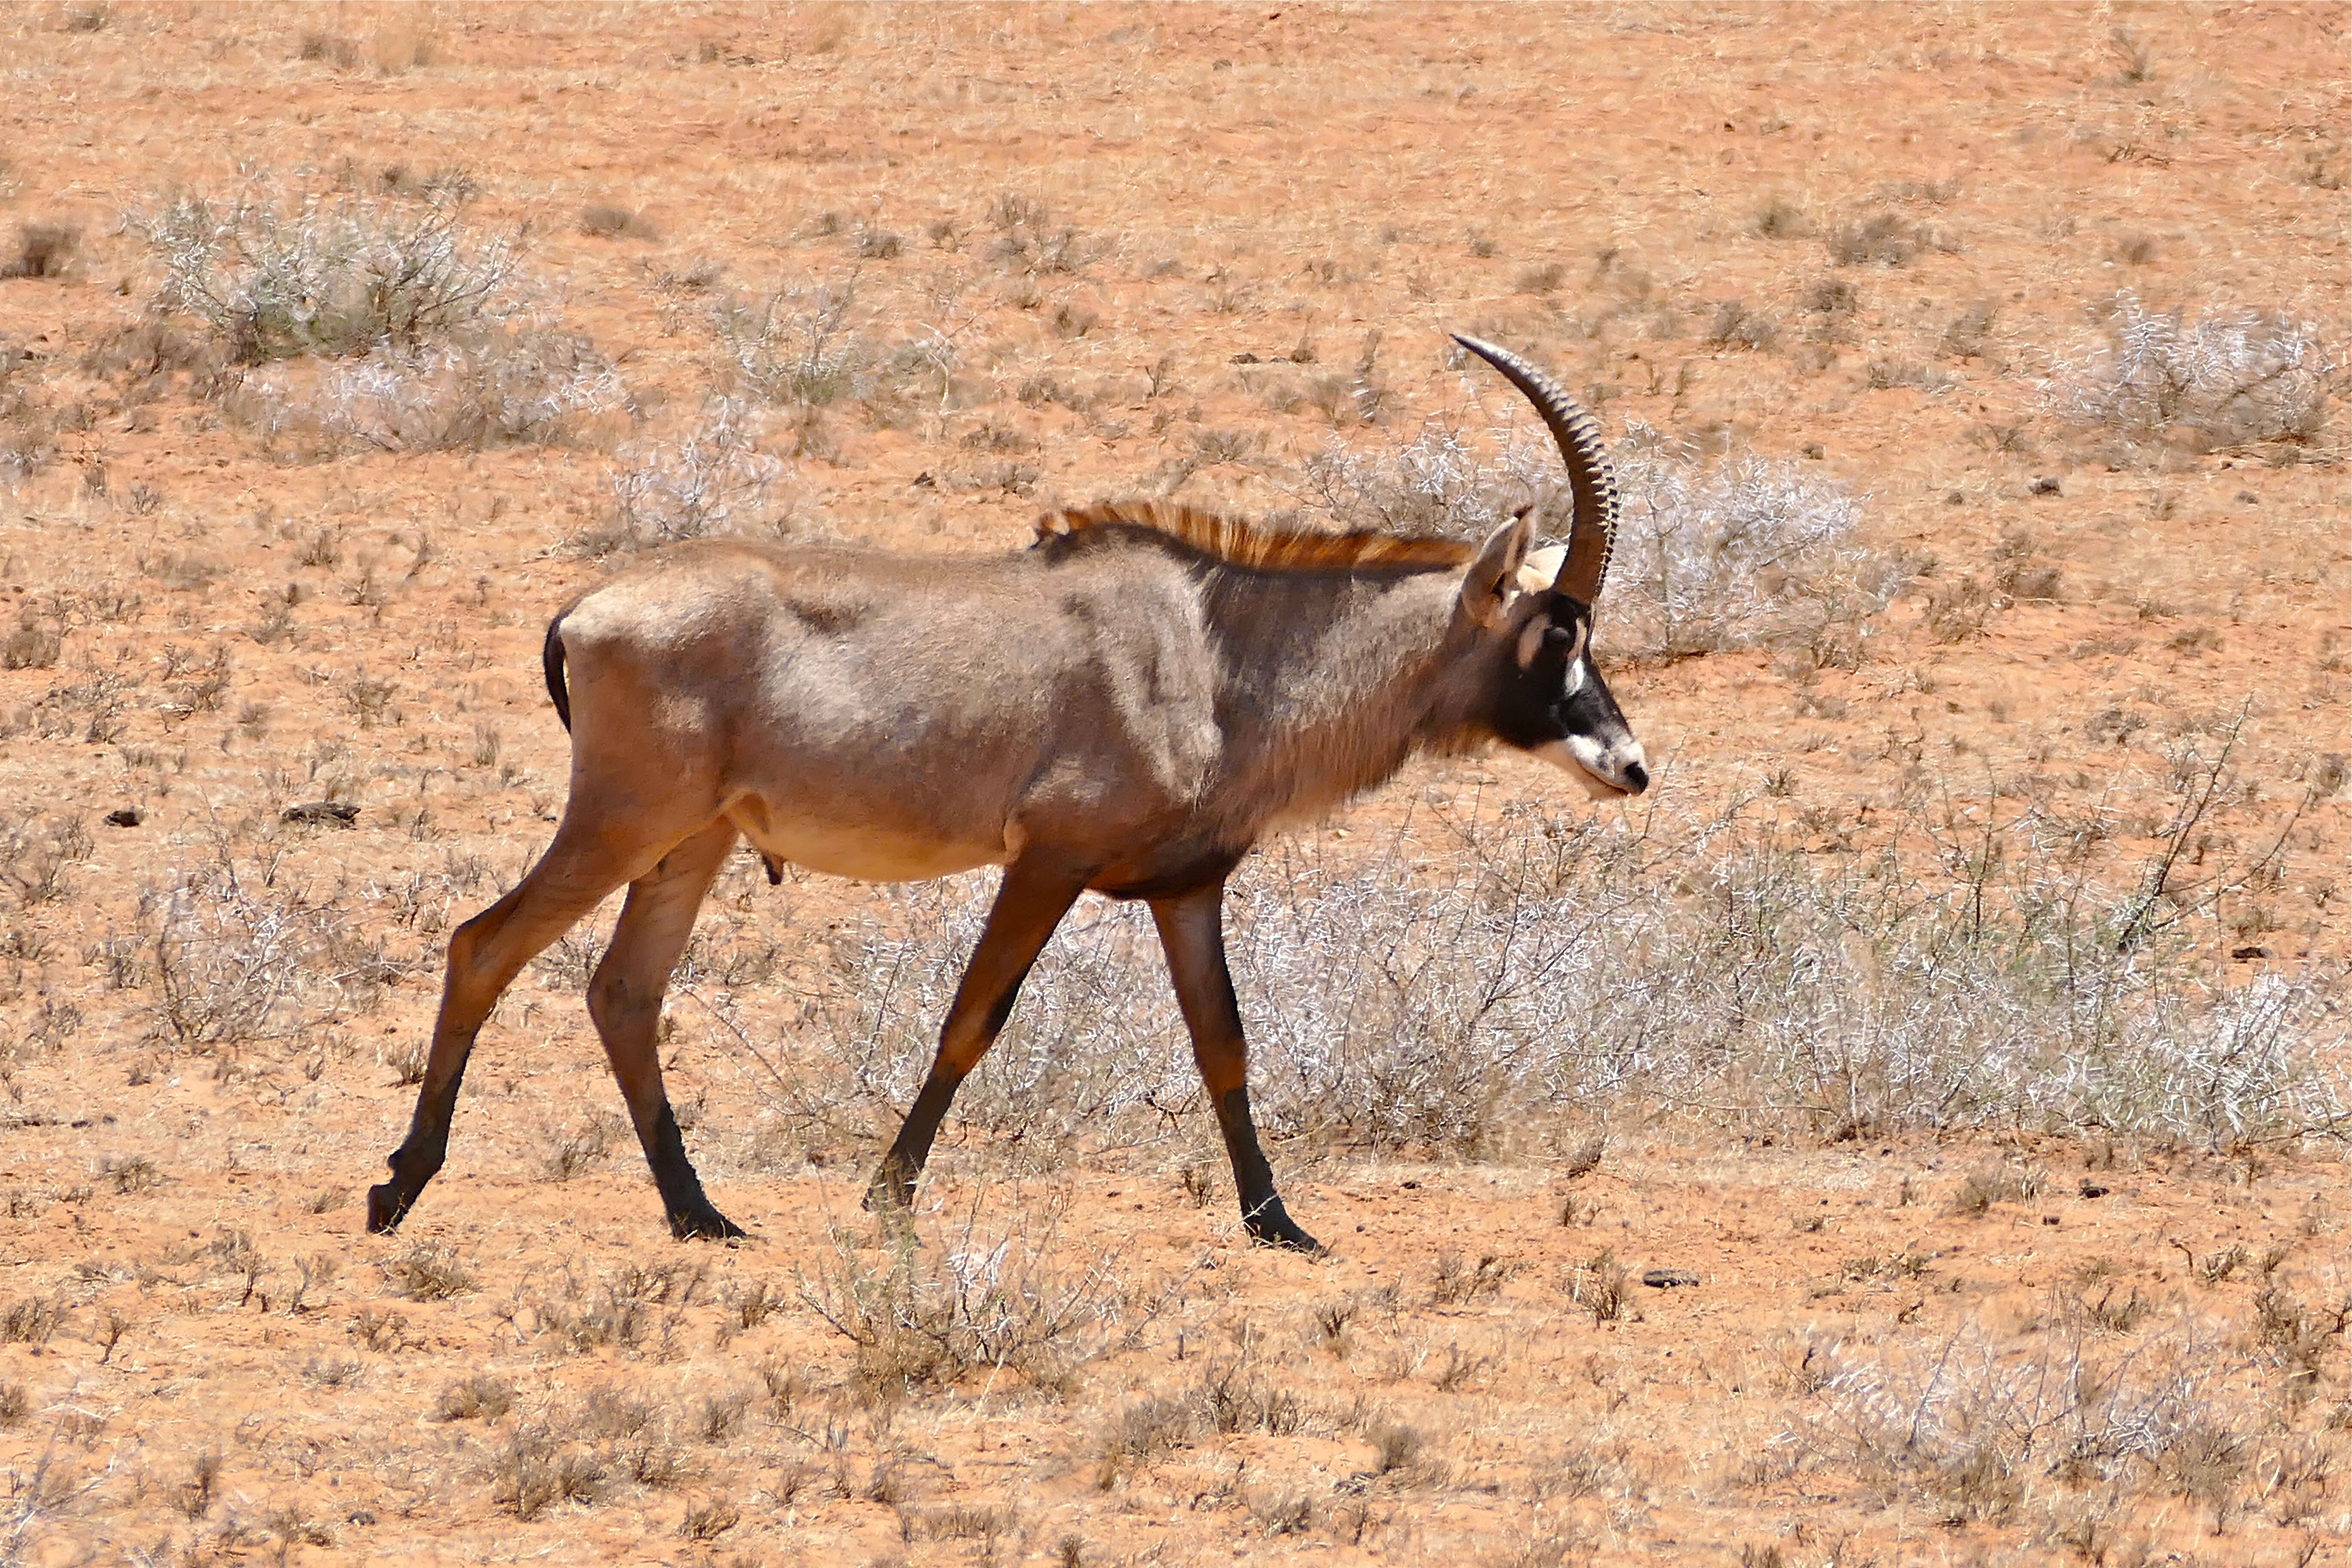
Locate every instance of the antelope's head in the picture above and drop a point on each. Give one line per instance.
(1549, 698)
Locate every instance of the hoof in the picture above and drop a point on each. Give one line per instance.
(705, 1224)
(889, 1197)
(1270, 1226)
(387, 1206)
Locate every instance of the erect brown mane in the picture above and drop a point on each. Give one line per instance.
(1241, 544)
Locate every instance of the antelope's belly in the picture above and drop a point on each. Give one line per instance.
(869, 851)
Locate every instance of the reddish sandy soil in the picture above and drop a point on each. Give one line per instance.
(202, 1358)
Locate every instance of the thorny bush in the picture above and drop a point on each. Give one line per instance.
(1547, 963)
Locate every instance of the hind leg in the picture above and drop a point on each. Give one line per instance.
(579, 868)
(625, 998)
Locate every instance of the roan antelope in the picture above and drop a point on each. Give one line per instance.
(1126, 707)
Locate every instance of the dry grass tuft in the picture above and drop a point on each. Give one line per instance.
(31, 1320)
(429, 1273)
(1886, 239)
(1781, 219)
(708, 1519)
(607, 222)
(43, 251)
(966, 1304)
(1598, 1285)
(1736, 326)
(475, 1398)
(577, 1148)
(536, 1472)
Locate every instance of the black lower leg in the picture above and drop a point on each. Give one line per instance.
(893, 1184)
(690, 1211)
(1031, 900)
(417, 1159)
(1261, 1210)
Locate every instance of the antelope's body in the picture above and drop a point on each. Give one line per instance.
(1126, 707)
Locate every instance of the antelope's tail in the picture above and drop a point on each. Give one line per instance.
(551, 658)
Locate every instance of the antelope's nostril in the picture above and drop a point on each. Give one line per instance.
(1637, 777)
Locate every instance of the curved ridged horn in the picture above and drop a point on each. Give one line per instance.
(1593, 530)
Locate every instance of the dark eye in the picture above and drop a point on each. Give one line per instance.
(1558, 637)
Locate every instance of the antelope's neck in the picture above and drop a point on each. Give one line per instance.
(1328, 684)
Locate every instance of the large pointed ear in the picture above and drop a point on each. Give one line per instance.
(1492, 582)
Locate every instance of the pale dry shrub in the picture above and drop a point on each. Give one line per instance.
(235, 960)
(713, 479)
(797, 346)
(35, 855)
(1972, 1424)
(1094, 1042)
(1439, 482)
(497, 385)
(2230, 377)
(1851, 996)
(329, 274)
(1711, 554)
(1737, 552)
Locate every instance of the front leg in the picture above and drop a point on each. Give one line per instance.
(1191, 929)
(1038, 891)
